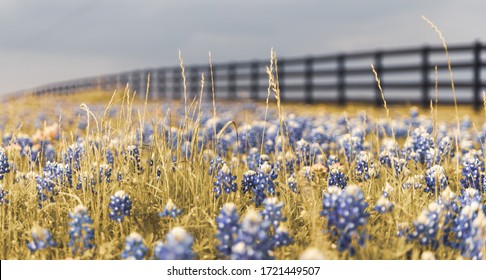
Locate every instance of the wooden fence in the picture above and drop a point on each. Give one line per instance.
(408, 75)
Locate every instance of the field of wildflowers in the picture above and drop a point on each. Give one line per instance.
(128, 179)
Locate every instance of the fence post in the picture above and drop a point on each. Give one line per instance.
(425, 76)
(308, 86)
(477, 76)
(379, 71)
(254, 79)
(281, 79)
(341, 79)
(193, 82)
(231, 81)
(161, 83)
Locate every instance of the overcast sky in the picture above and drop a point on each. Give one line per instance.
(53, 40)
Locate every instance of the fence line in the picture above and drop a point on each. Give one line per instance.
(340, 78)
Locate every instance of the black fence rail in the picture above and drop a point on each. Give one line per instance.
(410, 75)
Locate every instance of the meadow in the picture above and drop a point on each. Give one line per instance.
(102, 175)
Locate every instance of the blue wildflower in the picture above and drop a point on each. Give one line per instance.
(228, 226)
(383, 205)
(331, 160)
(272, 212)
(80, 230)
(292, 183)
(352, 145)
(346, 215)
(178, 246)
(3, 194)
(225, 181)
(415, 181)
(473, 173)
(41, 239)
(134, 247)
(435, 179)
(261, 183)
(133, 157)
(170, 210)
(73, 155)
(46, 190)
(253, 241)
(337, 178)
(4, 165)
(105, 173)
(364, 169)
(120, 206)
(426, 226)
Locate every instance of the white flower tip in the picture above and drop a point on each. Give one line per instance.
(312, 254)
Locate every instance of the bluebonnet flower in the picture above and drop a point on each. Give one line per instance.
(385, 158)
(469, 196)
(73, 155)
(46, 190)
(435, 179)
(110, 158)
(215, 165)
(269, 147)
(272, 212)
(105, 173)
(170, 210)
(228, 226)
(331, 160)
(292, 183)
(253, 159)
(352, 145)
(415, 181)
(80, 230)
(337, 178)
(288, 162)
(133, 156)
(472, 173)
(444, 149)
(225, 181)
(418, 144)
(3, 194)
(470, 230)
(426, 226)
(383, 205)
(364, 169)
(58, 173)
(253, 241)
(346, 215)
(302, 150)
(41, 239)
(120, 206)
(282, 237)
(4, 165)
(178, 246)
(261, 183)
(134, 248)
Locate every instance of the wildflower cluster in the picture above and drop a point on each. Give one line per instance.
(41, 239)
(345, 210)
(256, 236)
(120, 206)
(177, 246)
(170, 210)
(80, 231)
